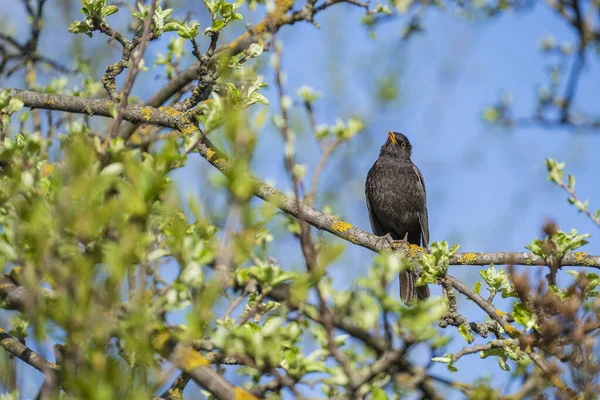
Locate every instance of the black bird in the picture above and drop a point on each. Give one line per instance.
(397, 204)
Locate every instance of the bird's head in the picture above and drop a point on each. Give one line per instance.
(397, 145)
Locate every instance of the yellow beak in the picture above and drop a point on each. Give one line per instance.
(392, 137)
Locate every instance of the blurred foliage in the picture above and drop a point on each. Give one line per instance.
(102, 260)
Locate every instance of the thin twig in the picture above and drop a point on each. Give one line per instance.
(133, 71)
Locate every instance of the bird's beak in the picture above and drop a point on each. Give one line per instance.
(392, 137)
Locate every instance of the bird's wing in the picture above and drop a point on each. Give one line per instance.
(375, 224)
(423, 217)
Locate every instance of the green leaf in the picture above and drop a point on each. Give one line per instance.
(80, 27)
(555, 170)
(435, 264)
(559, 244)
(110, 10)
(524, 317)
(14, 105)
(447, 359)
(218, 25)
(308, 94)
(498, 281)
(19, 327)
(571, 180)
(379, 394)
(465, 332)
(500, 353)
(172, 26)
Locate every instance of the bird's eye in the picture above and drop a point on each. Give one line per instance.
(403, 144)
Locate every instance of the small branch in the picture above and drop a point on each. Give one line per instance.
(319, 169)
(252, 311)
(482, 303)
(133, 71)
(383, 364)
(196, 366)
(576, 199)
(498, 316)
(270, 24)
(236, 302)
(175, 391)
(281, 294)
(18, 349)
(494, 344)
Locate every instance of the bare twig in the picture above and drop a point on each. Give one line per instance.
(494, 344)
(133, 71)
(576, 200)
(328, 150)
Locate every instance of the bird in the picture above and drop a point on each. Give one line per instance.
(397, 205)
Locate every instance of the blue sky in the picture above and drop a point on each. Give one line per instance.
(487, 187)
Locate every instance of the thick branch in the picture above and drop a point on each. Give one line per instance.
(169, 117)
(164, 116)
(196, 367)
(18, 349)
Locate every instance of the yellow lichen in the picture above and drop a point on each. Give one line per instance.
(283, 6)
(146, 113)
(555, 380)
(188, 129)
(170, 111)
(47, 170)
(209, 154)
(467, 258)
(512, 331)
(340, 226)
(241, 394)
(583, 259)
(49, 102)
(412, 250)
(528, 259)
(500, 313)
(188, 359)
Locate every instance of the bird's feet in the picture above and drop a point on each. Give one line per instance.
(391, 243)
(387, 241)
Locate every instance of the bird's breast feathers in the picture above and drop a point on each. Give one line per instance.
(396, 183)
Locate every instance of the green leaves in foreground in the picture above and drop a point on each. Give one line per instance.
(92, 231)
(591, 281)
(435, 264)
(498, 281)
(558, 244)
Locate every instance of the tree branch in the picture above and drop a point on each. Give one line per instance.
(169, 117)
(18, 349)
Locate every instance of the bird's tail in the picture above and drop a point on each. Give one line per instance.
(409, 293)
